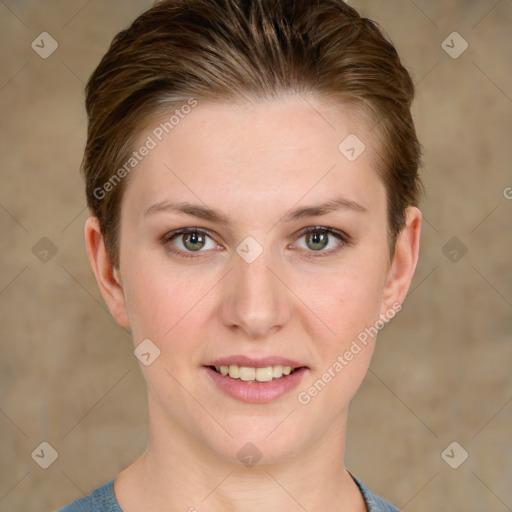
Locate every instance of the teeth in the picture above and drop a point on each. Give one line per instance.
(234, 371)
(264, 374)
(247, 373)
(277, 371)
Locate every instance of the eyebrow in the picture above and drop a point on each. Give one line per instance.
(206, 213)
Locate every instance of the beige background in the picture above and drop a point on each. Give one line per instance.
(441, 372)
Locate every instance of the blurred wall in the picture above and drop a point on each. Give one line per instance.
(441, 371)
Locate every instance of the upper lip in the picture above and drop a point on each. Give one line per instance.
(261, 362)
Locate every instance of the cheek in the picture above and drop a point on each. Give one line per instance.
(349, 306)
(347, 301)
(165, 302)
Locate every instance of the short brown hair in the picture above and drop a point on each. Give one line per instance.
(231, 50)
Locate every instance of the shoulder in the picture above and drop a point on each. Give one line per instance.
(375, 503)
(101, 499)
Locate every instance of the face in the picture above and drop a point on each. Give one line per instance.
(250, 243)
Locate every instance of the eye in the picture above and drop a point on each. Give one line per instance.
(190, 240)
(322, 240)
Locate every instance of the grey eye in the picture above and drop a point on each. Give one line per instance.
(193, 241)
(317, 240)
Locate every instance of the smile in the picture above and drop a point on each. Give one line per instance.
(249, 373)
(253, 384)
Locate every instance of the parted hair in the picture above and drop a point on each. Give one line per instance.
(240, 50)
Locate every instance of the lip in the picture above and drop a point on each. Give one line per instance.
(253, 391)
(261, 362)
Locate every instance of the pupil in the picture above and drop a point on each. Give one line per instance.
(193, 239)
(318, 240)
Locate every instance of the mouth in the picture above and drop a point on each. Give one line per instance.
(254, 374)
(256, 381)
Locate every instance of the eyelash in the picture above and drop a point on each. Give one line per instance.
(342, 237)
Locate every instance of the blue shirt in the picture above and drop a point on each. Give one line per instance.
(103, 499)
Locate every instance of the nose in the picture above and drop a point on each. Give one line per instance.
(255, 299)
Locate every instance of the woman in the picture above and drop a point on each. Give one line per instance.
(252, 174)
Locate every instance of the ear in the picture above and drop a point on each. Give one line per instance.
(404, 261)
(106, 274)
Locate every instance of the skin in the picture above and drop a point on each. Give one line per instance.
(255, 162)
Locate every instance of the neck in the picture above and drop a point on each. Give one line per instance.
(176, 472)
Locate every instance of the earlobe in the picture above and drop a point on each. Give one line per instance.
(404, 261)
(107, 276)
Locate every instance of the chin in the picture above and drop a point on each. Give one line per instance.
(260, 441)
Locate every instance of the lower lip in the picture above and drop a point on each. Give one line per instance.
(256, 392)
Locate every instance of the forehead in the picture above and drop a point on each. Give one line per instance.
(270, 152)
